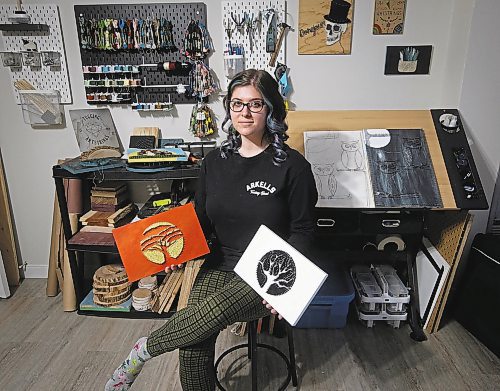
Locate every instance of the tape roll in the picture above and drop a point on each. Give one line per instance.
(393, 240)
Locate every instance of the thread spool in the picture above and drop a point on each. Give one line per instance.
(391, 243)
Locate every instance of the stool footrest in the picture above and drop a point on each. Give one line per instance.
(259, 345)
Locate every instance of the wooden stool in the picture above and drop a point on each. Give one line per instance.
(252, 346)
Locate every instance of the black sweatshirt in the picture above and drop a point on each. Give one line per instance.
(236, 195)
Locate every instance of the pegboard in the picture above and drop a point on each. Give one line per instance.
(44, 77)
(448, 232)
(255, 57)
(180, 14)
(445, 231)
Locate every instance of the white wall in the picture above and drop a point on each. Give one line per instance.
(480, 98)
(320, 82)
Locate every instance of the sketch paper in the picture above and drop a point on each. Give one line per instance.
(280, 274)
(432, 272)
(372, 168)
(402, 173)
(339, 165)
(94, 128)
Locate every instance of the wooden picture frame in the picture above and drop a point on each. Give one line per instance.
(325, 27)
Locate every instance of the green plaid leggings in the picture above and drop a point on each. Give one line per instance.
(217, 300)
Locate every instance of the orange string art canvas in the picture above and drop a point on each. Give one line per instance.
(169, 238)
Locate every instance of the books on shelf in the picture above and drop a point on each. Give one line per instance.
(372, 168)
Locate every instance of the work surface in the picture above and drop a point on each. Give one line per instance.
(302, 121)
(43, 348)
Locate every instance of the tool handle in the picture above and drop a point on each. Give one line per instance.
(274, 56)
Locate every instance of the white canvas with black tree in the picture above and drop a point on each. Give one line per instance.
(276, 272)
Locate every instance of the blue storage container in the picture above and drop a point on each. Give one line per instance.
(329, 308)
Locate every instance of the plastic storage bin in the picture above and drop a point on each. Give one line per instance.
(330, 307)
(381, 295)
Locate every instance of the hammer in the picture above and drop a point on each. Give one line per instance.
(283, 27)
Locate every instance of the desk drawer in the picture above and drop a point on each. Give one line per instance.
(331, 221)
(391, 223)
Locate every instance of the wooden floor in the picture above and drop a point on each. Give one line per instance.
(44, 348)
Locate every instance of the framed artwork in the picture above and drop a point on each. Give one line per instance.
(432, 271)
(94, 128)
(147, 246)
(281, 275)
(389, 17)
(408, 60)
(325, 27)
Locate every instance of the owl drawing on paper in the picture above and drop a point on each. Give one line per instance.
(414, 152)
(351, 156)
(325, 180)
(389, 179)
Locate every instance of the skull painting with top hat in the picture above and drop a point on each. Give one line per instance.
(336, 21)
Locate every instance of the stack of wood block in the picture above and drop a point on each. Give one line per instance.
(109, 196)
(110, 207)
(111, 286)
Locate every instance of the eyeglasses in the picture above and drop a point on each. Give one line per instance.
(255, 106)
(465, 172)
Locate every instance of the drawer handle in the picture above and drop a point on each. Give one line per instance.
(325, 222)
(391, 223)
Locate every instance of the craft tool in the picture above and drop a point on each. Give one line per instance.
(283, 29)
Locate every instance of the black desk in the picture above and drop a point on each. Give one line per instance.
(441, 145)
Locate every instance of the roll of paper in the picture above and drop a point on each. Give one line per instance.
(73, 189)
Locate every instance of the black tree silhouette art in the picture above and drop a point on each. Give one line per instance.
(276, 272)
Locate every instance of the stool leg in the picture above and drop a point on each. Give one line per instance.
(252, 342)
(291, 351)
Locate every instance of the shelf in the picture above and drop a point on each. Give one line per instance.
(122, 174)
(23, 27)
(93, 248)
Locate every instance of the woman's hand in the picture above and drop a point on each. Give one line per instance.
(170, 269)
(273, 311)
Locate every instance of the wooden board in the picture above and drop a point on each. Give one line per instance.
(7, 239)
(389, 17)
(302, 121)
(4, 286)
(314, 16)
(190, 272)
(443, 299)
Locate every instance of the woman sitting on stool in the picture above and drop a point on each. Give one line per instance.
(254, 178)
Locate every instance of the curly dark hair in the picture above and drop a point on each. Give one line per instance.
(276, 127)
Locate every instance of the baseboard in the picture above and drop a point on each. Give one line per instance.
(36, 271)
